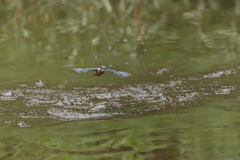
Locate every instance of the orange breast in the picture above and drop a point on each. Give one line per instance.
(99, 73)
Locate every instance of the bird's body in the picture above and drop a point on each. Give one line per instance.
(101, 70)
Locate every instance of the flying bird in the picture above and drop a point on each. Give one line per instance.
(101, 70)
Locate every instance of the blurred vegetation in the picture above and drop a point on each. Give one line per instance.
(74, 29)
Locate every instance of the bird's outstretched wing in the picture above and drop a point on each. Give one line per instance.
(83, 70)
(119, 73)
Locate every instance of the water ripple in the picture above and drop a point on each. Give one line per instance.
(39, 101)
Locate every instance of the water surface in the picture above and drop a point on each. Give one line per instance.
(181, 101)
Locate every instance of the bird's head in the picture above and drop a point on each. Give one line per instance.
(102, 68)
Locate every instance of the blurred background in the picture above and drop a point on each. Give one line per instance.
(42, 40)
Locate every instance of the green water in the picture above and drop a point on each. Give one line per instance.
(181, 102)
(204, 132)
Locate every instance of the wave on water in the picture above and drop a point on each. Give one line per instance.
(39, 101)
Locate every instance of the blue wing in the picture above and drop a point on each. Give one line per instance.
(120, 73)
(83, 70)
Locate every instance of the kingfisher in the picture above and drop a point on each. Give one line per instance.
(101, 70)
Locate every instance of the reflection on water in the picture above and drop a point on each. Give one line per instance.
(206, 132)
